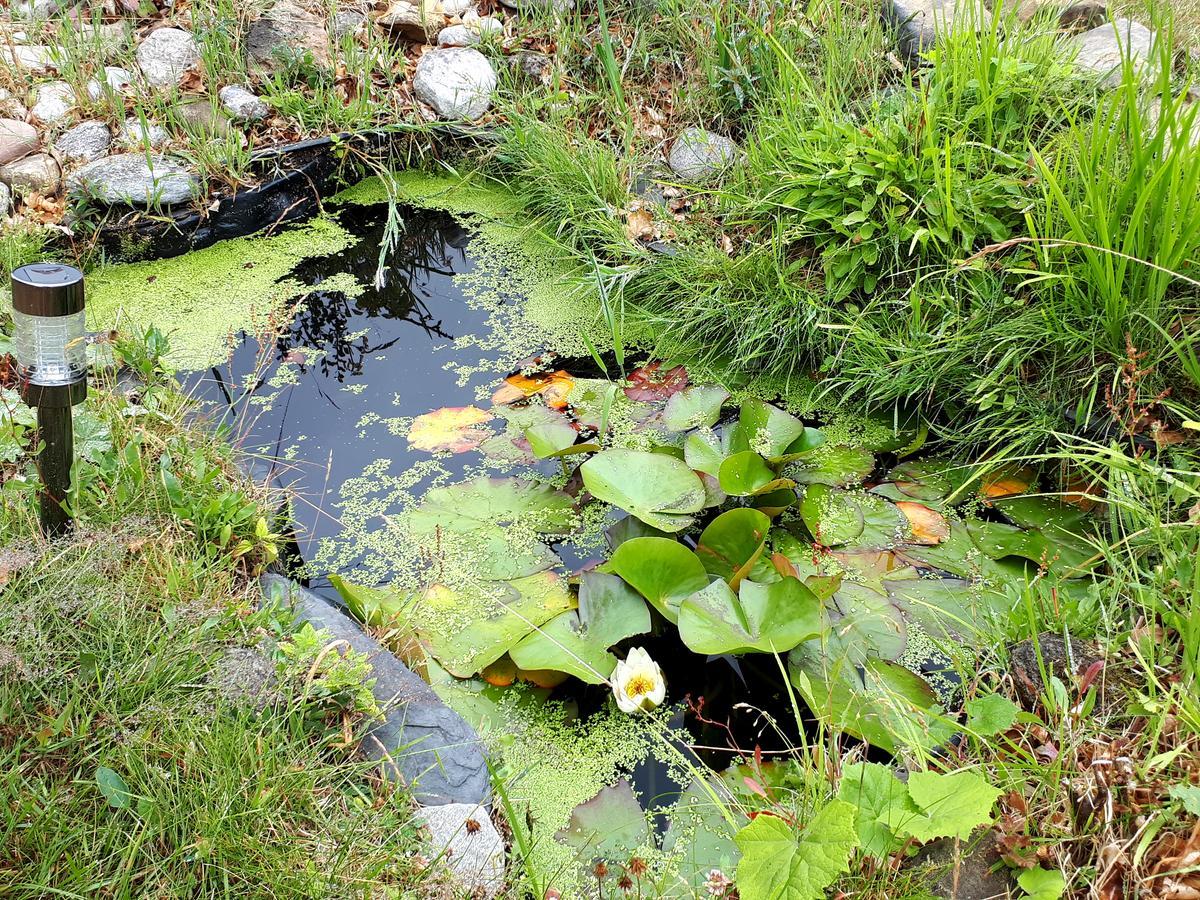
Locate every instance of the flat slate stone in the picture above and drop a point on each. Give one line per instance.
(698, 154)
(421, 742)
(138, 179)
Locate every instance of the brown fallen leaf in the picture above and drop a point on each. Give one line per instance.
(451, 428)
(929, 527)
(639, 225)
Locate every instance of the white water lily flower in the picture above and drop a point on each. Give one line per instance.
(638, 682)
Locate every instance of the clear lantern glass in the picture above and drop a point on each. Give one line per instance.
(50, 350)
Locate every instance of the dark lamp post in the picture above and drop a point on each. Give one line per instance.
(50, 345)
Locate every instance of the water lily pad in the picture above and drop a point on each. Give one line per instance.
(865, 624)
(553, 387)
(470, 627)
(660, 569)
(810, 440)
(831, 516)
(628, 528)
(468, 505)
(576, 642)
(772, 503)
(612, 825)
(552, 439)
(769, 430)
(762, 618)
(652, 383)
(704, 450)
(659, 489)
(833, 465)
(451, 429)
(952, 609)
(696, 406)
(699, 833)
(732, 542)
(746, 473)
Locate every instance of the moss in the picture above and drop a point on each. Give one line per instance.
(204, 297)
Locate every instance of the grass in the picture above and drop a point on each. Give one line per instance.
(135, 760)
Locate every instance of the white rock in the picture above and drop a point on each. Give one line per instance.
(456, 81)
(165, 55)
(469, 35)
(85, 142)
(136, 179)
(1103, 49)
(698, 154)
(116, 80)
(5, 199)
(36, 9)
(471, 15)
(17, 139)
(456, 7)
(134, 134)
(38, 173)
(241, 103)
(463, 838)
(32, 59)
(53, 102)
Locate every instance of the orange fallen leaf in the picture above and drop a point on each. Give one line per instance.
(1006, 482)
(783, 565)
(554, 387)
(929, 527)
(452, 428)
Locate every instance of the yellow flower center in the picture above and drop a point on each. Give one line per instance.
(638, 686)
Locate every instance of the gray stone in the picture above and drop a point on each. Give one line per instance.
(964, 871)
(456, 81)
(85, 142)
(454, 8)
(1102, 50)
(136, 134)
(414, 21)
(116, 80)
(347, 22)
(136, 179)
(918, 23)
(53, 102)
(38, 173)
(34, 59)
(245, 675)
(421, 742)
(11, 107)
(469, 35)
(5, 199)
(17, 139)
(462, 837)
(201, 116)
(532, 65)
(39, 9)
(166, 55)
(286, 33)
(1064, 659)
(242, 103)
(698, 154)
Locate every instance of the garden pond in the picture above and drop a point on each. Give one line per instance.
(486, 479)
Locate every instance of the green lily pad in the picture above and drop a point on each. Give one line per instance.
(627, 529)
(831, 516)
(772, 503)
(469, 628)
(768, 429)
(760, 618)
(612, 825)
(468, 505)
(833, 465)
(732, 542)
(864, 622)
(807, 443)
(746, 473)
(551, 438)
(705, 450)
(697, 406)
(698, 833)
(660, 569)
(951, 609)
(659, 489)
(999, 540)
(577, 641)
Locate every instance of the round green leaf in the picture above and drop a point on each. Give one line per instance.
(831, 516)
(660, 490)
(732, 542)
(769, 429)
(697, 406)
(836, 466)
(660, 569)
(747, 473)
(762, 618)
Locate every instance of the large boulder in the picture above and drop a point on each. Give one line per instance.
(38, 173)
(17, 139)
(86, 142)
(1103, 50)
(166, 55)
(918, 23)
(456, 81)
(421, 741)
(463, 837)
(136, 179)
(288, 32)
(698, 154)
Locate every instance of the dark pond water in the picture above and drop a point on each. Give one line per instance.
(384, 352)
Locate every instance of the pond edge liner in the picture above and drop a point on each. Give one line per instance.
(296, 178)
(420, 742)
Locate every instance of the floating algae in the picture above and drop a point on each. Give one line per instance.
(203, 299)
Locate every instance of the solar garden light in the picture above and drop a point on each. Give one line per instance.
(50, 345)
